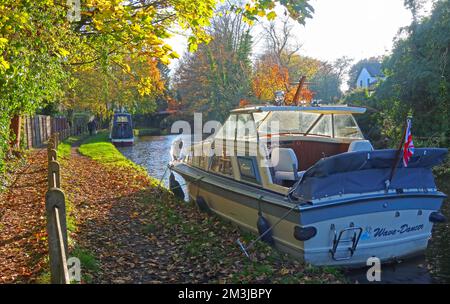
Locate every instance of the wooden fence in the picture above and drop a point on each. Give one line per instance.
(38, 129)
(55, 206)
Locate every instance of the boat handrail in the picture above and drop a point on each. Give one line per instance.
(316, 109)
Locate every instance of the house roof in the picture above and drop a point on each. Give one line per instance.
(374, 69)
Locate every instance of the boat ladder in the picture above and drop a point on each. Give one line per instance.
(338, 239)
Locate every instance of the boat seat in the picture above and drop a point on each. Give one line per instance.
(285, 165)
(288, 176)
(360, 145)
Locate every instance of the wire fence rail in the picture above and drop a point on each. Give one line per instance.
(55, 205)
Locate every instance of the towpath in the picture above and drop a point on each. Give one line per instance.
(125, 229)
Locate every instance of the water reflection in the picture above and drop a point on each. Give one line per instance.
(438, 253)
(153, 153)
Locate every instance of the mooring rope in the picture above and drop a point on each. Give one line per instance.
(252, 244)
(162, 177)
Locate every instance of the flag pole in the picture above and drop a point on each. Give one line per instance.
(398, 153)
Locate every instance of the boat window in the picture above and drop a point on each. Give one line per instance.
(203, 162)
(222, 165)
(196, 161)
(122, 119)
(345, 127)
(245, 127)
(295, 122)
(306, 123)
(323, 127)
(228, 130)
(258, 117)
(247, 169)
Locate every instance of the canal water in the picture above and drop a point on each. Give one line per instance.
(153, 153)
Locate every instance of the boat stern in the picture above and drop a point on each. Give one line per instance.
(123, 142)
(388, 227)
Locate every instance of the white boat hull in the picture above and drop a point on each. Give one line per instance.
(393, 226)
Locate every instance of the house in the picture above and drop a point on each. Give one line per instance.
(369, 75)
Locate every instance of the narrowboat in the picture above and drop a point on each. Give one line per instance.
(122, 129)
(308, 175)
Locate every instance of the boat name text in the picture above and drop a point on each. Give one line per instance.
(381, 232)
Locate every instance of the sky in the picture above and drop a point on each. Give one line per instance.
(354, 28)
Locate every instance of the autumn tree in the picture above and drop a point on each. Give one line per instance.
(41, 49)
(101, 91)
(269, 77)
(215, 78)
(326, 82)
(279, 41)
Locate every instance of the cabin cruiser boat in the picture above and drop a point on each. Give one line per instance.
(122, 129)
(308, 173)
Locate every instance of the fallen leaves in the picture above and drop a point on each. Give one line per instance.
(132, 232)
(23, 236)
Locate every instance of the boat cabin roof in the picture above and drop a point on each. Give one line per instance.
(325, 109)
(324, 121)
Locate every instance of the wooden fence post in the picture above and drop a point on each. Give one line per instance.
(52, 156)
(56, 139)
(54, 177)
(51, 143)
(55, 199)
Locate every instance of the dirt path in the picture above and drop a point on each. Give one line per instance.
(126, 230)
(23, 244)
(140, 234)
(118, 224)
(106, 213)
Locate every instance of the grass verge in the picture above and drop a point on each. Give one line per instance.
(87, 259)
(101, 150)
(64, 147)
(88, 262)
(147, 132)
(203, 245)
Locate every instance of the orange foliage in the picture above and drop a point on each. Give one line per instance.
(172, 104)
(270, 77)
(306, 95)
(243, 103)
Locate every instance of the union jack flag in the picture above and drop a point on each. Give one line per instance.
(408, 148)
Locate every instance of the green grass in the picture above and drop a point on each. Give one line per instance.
(146, 132)
(101, 150)
(149, 228)
(71, 221)
(44, 278)
(202, 237)
(65, 146)
(64, 151)
(87, 259)
(88, 262)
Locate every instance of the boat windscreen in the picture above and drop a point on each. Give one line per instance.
(122, 119)
(308, 124)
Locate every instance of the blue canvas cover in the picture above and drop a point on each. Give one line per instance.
(367, 171)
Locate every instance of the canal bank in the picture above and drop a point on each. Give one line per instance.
(152, 152)
(137, 232)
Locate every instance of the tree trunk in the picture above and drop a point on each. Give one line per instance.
(15, 128)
